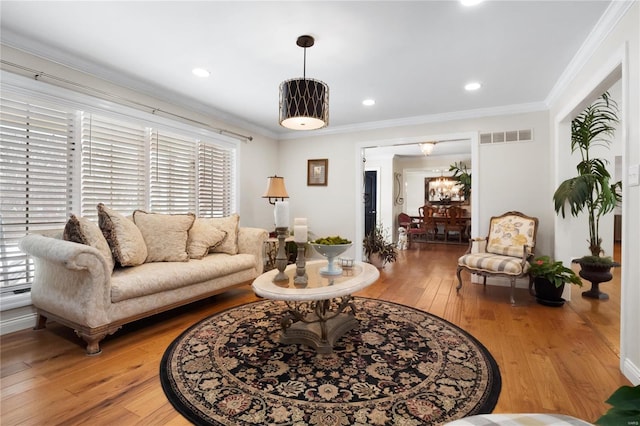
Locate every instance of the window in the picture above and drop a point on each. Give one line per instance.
(126, 159)
(173, 173)
(36, 168)
(113, 165)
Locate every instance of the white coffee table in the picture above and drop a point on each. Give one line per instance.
(320, 312)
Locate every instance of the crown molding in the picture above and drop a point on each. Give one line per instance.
(420, 120)
(607, 22)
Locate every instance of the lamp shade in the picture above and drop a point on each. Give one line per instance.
(275, 189)
(304, 104)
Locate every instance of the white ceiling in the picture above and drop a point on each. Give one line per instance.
(412, 57)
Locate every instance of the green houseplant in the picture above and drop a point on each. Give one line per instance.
(377, 248)
(463, 177)
(549, 277)
(592, 191)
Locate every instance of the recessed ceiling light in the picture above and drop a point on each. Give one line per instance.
(369, 102)
(470, 2)
(472, 86)
(200, 72)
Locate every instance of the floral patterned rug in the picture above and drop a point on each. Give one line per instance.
(402, 366)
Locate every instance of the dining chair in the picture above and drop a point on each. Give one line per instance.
(455, 223)
(415, 229)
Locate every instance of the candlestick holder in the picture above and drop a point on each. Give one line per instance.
(281, 256)
(301, 274)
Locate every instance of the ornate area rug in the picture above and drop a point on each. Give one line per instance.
(402, 366)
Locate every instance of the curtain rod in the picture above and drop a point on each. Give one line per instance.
(39, 74)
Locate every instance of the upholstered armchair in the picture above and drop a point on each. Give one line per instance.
(504, 252)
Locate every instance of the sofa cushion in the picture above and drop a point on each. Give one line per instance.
(229, 224)
(204, 236)
(165, 235)
(83, 231)
(152, 278)
(124, 237)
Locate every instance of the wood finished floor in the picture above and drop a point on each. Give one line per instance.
(554, 360)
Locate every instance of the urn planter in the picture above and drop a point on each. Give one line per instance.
(596, 273)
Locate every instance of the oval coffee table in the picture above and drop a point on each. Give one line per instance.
(320, 312)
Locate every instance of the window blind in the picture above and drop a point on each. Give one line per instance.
(36, 168)
(113, 165)
(126, 164)
(173, 173)
(216, 194)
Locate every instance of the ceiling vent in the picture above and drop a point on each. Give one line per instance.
(507, 136)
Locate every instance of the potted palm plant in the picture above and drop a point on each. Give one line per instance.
(463, 177)
(592, 190)
(377, 248)
(549, 278)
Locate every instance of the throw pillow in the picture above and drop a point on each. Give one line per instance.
(83, 231)
(123, 236)
(229, 224)
(165, 235)
(204, 236)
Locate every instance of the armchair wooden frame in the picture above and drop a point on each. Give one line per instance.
(500, 260)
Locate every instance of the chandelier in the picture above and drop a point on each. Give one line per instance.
(427, 147)
(304, 102)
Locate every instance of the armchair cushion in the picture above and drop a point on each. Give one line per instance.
(511, 229)
(493, 263)
(515, 251)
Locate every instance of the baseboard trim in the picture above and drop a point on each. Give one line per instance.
(631, 371)
(18, 323)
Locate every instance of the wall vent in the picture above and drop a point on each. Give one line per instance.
(507, 136)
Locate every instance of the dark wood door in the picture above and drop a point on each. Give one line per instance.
(370, 200)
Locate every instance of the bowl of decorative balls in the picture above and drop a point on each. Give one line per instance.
(331, 247)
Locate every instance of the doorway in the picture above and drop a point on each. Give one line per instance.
(370, 200)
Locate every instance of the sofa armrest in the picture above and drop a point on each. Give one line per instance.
(251, 241)
(71, 280)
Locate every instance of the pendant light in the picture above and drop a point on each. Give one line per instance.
(304, 102)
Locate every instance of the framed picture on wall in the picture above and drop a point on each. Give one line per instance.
(317, 171)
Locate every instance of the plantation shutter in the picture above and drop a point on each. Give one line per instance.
(113, 165)
(216, 193)
(173, 173)
(36, 165)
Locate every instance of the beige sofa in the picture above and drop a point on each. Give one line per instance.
(76, 284)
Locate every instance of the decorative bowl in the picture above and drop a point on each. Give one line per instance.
(330, 251)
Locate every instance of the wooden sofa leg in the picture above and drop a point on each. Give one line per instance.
(41, 322)
(93, 342)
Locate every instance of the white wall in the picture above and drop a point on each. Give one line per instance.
(510, 176)
(616, 58)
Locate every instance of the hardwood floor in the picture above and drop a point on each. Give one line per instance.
(555, 360)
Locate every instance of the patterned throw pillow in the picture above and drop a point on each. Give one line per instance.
(83, 231)
(203, 237)
(165, 235)
(124, 237)
(228, 224)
